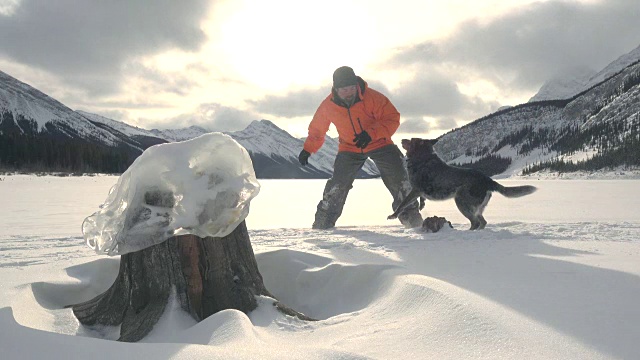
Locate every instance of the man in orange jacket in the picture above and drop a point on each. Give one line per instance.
(365, 120)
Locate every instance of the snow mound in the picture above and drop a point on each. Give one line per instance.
(201, 187)
(318, 287)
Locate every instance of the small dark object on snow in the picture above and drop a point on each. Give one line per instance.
(434, 224)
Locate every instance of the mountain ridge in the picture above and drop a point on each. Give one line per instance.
(30, 119)
(581, 79)
(593, 130)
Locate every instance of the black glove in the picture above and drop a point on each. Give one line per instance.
(304, 157)
(362, 140)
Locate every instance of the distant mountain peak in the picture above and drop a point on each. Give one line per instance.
(615, 66)
(263, 124)
(264, 127)
(198, 128)
(565, 85)
(579, 79)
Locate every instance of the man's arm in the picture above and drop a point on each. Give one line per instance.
(317, 130)
(386, 115)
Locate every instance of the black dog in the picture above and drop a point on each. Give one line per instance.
(433, 179)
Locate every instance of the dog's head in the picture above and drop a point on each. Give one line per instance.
(417, 146)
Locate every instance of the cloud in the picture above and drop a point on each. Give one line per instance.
(154, 81)
(524, 48)
(429, 94)
(303, 102)
(414, 126)
(424, 126)
(512, 55)
(435, 94)
(211, 116)
(89, 42)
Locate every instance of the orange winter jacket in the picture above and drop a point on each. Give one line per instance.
(372, 112)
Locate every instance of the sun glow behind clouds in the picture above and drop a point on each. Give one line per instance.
(7, 7)
(279, 44)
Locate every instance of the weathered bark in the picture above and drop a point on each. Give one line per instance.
(208, 274)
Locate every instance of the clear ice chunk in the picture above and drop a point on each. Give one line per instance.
(202, 186)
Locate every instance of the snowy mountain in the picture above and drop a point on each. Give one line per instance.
(275, 152)
(615, 67)
(565, 85)
(38, 133)
(144, 138)
(173, 135)
(26, 110)
(597, 128)
(580, 79)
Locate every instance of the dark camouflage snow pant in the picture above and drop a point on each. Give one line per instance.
(390, 162)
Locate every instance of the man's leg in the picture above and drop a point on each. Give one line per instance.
(390, 162)
(335, 193)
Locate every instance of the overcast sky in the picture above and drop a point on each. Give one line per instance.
(222, 64)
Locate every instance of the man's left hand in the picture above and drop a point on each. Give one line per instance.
(362, 140)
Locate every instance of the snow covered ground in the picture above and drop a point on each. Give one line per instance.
(556, 275)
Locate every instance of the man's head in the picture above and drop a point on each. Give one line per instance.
(345, 83)
(344, 76)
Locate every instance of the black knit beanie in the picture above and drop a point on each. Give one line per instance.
(344, 76)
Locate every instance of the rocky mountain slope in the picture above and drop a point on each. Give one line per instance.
(38, 133)
(597, 128)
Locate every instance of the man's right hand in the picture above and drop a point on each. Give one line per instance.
(304, 157)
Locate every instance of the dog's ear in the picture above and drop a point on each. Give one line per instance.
(406, 144)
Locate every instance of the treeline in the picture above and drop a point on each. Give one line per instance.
(489, 165)
(626, 155)
(43, 153)
(23, 148)
(617, 143)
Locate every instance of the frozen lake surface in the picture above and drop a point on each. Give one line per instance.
(554, 275)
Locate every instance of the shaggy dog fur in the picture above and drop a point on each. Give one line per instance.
(433, 179)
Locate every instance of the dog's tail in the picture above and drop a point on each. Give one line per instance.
(515, 191)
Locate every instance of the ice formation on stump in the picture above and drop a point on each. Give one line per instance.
(201, 187)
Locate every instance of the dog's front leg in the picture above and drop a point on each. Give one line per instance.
(408, 199)
(422, 199)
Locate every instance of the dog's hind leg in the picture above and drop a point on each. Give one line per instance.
(469, 208)
(472, 206)
(483, 222)
(480, 210)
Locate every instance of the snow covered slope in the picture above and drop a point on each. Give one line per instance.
(273, 151)
(125, 129)
(565, 85)
(580, 79)
(183, 134)
(276, 152)
(597, 128)
(26, 110)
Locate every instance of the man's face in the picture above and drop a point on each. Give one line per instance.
(348, 93)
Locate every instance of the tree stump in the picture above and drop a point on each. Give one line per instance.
(208, 274)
